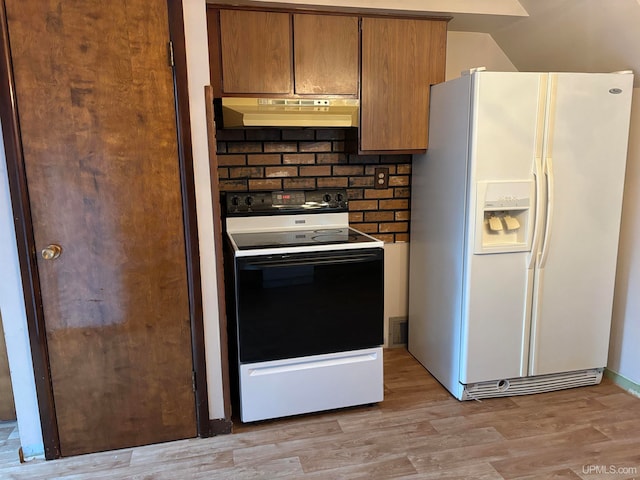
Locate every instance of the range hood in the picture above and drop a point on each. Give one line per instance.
(272, 112)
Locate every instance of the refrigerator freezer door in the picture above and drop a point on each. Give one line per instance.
(497, 286)
(584, 166)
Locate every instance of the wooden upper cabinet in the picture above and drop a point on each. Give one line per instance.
(401, 58)
(325, 54)
(255, 52)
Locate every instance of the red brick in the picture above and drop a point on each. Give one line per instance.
(264, 159)
(291, 183)
(332, 182)
(223, 173)
(233, 185)
(348, 170)
(271, 184)
(280, 147)
(331, 158)
(402, 237)
(403, 192)
(355, 193)
(404, 169)
(355, 217)
(397, 204)
(361, 181)
(363, 205)
(263, 134)
(382, 193)
(221, 147)
(402, 216)
(299, 158)
(385, 216)
(401, 227)
(399, 180)
(366, 227)
(299, 134)
(281, 172)
(337, 146)
(230, 134)
(315, 171)
(244, 147)
(231, 160)
(244, 172)
(315, 146)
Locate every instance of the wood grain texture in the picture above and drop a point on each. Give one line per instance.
(398, 56)
(418, 432)
(325, 54)
(256, 52)
(97, 116)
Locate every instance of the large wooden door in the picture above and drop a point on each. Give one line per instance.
(96, 114)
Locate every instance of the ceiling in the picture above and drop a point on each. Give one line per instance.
(536, 35)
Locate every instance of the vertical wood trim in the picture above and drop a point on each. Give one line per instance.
(217, 235)
(185, 152)
(26, 245)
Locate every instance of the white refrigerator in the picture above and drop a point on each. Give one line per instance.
(515, 218)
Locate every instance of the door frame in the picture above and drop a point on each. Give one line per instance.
(26, 243)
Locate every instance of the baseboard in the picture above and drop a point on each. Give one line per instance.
(220, 426)
(623, 382)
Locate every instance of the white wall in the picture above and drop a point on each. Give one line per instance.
(14, 320)
(467, 50)
(624, 351)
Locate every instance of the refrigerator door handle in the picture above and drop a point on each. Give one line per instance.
(548, 168)
(533, 254)
(548, 172)
(543, 93)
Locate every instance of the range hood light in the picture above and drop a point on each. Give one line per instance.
(290, 112)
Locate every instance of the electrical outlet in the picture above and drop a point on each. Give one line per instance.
(381, 177)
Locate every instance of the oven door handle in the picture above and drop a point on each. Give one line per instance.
(283, 261)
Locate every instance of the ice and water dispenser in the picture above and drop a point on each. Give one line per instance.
(504, 216)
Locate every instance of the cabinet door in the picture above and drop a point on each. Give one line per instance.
(326, 54)
(256, 52)
(401, 58)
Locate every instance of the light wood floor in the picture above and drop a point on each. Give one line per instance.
(418, 432)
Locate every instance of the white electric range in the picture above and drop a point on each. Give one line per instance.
(306, 314)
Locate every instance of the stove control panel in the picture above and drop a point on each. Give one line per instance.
(286, 202)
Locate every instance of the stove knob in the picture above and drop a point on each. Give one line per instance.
(248, 200)
(339, 197)
(326, 197)
(235, 201)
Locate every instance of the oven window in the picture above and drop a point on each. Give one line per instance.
(308, 304)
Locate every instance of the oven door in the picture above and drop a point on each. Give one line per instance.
(296, 305)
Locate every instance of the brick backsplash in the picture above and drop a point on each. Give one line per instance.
(276, 159)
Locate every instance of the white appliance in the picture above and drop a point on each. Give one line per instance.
(306, 324)
(515, 217)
